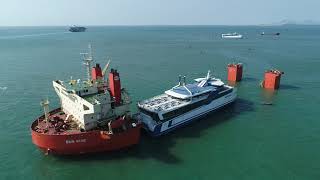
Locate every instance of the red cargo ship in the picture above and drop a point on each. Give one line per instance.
(94, 116)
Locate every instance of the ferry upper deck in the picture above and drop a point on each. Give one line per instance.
(183, 94)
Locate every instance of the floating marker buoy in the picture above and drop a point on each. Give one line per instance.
(235, 72)
(267, 103)
(271, 79)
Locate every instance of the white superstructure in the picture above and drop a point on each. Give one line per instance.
(231, 36)
(89, 103)
(184, 103)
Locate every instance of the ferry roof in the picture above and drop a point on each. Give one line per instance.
(189, 90)
(162, 102)
(181, 94)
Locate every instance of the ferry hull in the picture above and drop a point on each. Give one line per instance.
(157, 132)
(172, 124)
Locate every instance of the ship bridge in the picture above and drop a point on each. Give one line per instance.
(77, 87)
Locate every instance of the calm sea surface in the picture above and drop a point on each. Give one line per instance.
(247, 140)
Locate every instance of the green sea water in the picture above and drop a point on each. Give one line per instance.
(246, 140)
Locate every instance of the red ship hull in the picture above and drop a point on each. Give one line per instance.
(69, 143)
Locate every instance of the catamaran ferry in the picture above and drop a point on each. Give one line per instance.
(184, 103)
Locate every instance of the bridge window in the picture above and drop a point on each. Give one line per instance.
(85, 107)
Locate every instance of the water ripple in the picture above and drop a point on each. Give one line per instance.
(31, 35)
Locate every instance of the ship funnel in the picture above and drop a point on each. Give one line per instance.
(115, 86)
(96, 72)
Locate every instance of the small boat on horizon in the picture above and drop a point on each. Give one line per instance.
(274, 34)
(234, 35)
(77, 29)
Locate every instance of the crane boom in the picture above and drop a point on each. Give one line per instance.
(105, 68)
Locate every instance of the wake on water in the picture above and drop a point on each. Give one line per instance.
(2, 90)
(5, 105)
(31, 35)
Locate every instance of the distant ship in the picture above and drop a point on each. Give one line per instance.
(94, 115)
(184, 103)
(231, 36)
(275, 34)
(77, 29)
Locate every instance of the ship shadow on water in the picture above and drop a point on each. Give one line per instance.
(196, 128)
(158, 148)
(289, 87)
(250, 79)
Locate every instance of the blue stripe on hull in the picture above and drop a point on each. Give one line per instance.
(157, 129)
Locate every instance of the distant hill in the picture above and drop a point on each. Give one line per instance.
(287, 22)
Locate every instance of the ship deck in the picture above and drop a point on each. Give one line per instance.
(60, 124)
(56, 124)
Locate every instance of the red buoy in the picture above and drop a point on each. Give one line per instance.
(235, 72)
(115, 86)
(272, 79)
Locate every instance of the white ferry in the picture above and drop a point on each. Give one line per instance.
(184, 103)
(231, 36)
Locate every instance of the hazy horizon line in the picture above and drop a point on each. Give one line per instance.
(132, 25)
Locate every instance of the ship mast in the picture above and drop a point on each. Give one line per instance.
(45, 105)
(87, 59)
(208, 75)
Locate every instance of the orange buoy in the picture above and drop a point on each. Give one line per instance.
(235, 72)
(272, 79)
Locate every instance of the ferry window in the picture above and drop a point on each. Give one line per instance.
(170, 114)
(222, 94)
(153, 115)
(182, 110)
(200, 95)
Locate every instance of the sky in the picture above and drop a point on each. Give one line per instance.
(155, 12)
